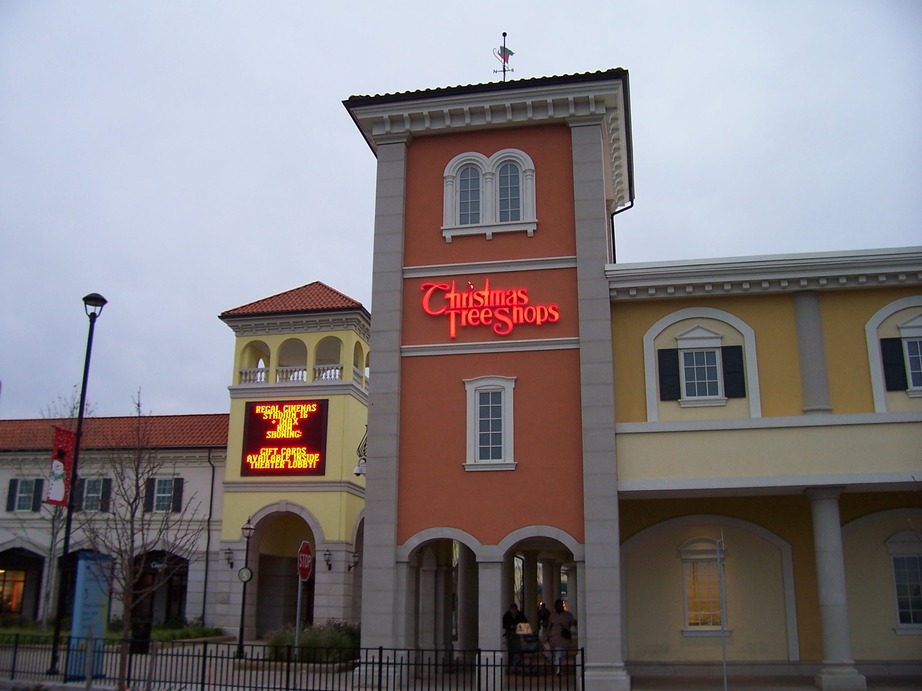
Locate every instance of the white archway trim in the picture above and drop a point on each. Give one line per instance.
(287, 507)
(20, 543)
(749, 353)
(488, 168)
(405, 550)
(547, 532)
(874, 359)
(784, 548)
(886, 515)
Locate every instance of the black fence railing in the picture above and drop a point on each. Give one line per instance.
(211, 666)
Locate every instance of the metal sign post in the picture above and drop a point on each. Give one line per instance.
(305, 566)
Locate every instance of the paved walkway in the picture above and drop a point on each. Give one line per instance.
(759, 684)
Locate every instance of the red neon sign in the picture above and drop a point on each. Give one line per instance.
(285, 438)
(497, 308)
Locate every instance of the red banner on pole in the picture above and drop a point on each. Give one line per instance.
(62, 457)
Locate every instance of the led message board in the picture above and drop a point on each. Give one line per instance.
(499, 309)
(285, 438)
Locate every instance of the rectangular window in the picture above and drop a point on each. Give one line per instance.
(490, 426)
(92, 494)
(469, 197)
(490, 434)
(25, 495)
(700, 373)
(12, 585)
(163, 496)
(510, 202)
(702, 593)
(914, 361)
(907, 574)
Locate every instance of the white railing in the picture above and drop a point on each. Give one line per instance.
(291, 374)
(298, 375)
(254, 375)
(328, 372)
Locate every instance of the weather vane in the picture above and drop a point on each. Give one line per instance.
(503, 54)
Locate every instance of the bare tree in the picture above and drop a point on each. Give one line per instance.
(133, 525)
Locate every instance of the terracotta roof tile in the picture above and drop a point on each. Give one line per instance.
(164, 432)
(313, 297)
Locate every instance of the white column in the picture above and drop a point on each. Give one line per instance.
(427, 598)
(605, 670)
(383, 605)
(838, 672)
(492, 606)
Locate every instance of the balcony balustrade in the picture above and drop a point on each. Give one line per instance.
(299, 375)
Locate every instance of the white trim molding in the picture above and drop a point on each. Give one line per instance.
(753, 393)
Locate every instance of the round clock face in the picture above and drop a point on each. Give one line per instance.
(245, 574)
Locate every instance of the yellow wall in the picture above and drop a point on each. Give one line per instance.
(773, 453)
(844, 313)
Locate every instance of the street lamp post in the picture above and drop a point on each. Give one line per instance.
(245, 574)
(92, 304)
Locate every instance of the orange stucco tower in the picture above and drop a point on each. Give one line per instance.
(491, 473)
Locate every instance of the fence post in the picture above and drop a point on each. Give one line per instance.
(88, 658)
(204, 681)
(15, 654)
(287, 667)
(380, 667)
(479, 669)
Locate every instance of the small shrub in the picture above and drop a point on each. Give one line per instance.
(332, 641)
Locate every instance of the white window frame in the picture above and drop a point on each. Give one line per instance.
(750, 358)
(911, 332)
(24, 498)
(700, 340)
(473, 389)
(161, 496)
(703, 550)
(872, 337)
(907, 544)
(92, 500)
(489, 168)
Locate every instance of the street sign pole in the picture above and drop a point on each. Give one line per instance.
(305, 561)
(298, 618)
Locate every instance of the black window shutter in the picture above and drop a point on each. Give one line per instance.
(891, 353)
(106, 493)
(11, 495)
(79, 489)
(37, 495)
(734, 374)
(670, 388)
(149, 489)
(177, 495)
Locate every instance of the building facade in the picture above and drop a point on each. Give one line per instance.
(699, 456)
(702, 458)
(283, 461)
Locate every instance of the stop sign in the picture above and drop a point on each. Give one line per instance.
(305, 561)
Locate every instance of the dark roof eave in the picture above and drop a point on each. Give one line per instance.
(226, 316)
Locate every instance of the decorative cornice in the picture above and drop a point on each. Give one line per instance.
(491, 267)
(489, 347)
(576, 100)
(299, 390)
(766, 274)
(301, 323)
(292, 486)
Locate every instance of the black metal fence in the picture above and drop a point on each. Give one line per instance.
(211, 666)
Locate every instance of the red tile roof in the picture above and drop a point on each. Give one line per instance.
(163, 432)
(314, 297)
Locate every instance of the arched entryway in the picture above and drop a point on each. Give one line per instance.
(273, 558)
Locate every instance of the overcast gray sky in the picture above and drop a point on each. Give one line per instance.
(184, 158)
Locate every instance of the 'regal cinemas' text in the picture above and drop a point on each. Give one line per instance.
(499, 309)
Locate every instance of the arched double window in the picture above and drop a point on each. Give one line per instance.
(486, 195)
